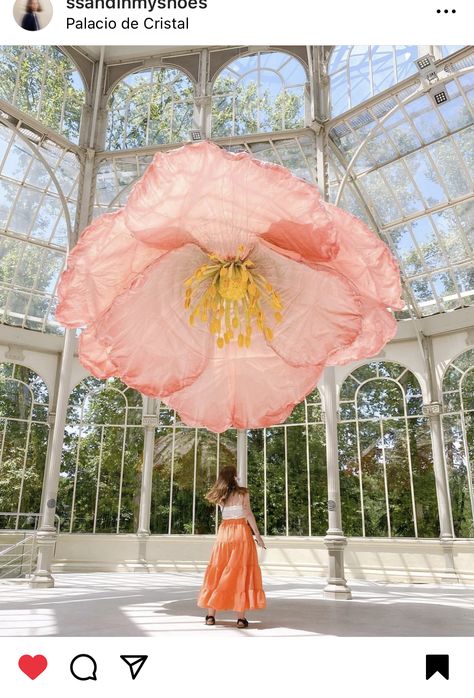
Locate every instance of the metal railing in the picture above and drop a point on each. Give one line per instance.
(17, 559)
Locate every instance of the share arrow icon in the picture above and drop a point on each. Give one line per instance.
(135, 662)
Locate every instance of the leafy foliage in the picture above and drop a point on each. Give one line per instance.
(102, 458)
(43, 82)
(382, 437)
(458, 432)
(238, 109)
(24, 440)
(150, 107)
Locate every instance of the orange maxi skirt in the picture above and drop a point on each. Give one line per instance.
(233, 580)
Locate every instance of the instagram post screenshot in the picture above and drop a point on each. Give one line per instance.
(236, 348)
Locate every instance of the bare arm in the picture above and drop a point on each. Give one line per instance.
(251, 518)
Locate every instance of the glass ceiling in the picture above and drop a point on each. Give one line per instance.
(411, 177)
(33, 228)
(357, 73)
(117, 174)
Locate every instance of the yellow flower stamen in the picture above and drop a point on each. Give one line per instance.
(229, 295)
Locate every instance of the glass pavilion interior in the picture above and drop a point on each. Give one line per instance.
(379, 458)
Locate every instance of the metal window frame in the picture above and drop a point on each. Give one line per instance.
(29, 422)
(404, 419)
(125, 426)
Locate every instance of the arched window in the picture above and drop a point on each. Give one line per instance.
(43, 82)
(33, 228)
(259, 93)
(23, 443)
(357, 73)
(150, 107)
(385, 457)
(99, 488)
(458, 429)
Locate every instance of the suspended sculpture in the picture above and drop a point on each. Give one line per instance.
(224, 287)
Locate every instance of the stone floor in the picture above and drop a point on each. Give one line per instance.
(144, 605)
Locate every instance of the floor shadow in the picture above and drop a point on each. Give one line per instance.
(343, 618)
(107, 605)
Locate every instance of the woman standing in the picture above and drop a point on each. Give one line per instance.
(30, 20)
(233, 580)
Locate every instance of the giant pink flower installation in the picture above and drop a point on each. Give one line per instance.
(224, 287)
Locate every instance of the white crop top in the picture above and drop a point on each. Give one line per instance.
(233, 511)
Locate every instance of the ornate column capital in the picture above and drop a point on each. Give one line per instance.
(150, 421)
(432, 409)
(203, 101)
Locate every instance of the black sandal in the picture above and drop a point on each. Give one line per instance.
(242, 623)
(210, 620)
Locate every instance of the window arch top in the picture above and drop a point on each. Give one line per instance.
(95, 402)
(380, 389)
(150, 107)
(458, 383)
(262, 92)
(23, 394)
(44, 82)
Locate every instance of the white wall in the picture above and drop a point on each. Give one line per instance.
(380, 559)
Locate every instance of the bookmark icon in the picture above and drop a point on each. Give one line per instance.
(135, 662)
(437, 663)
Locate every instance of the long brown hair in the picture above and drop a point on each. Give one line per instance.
(224, 485)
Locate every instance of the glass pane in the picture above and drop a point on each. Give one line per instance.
(349, 480)
(276, 507)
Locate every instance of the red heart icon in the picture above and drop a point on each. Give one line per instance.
(32, 666)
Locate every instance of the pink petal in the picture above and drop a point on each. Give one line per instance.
(222, 200)
(314, 241)
(94, 356)
(365, 260)
(102, 264)
(244, 388)
(321, 309)
(146, 332)
(378, 328)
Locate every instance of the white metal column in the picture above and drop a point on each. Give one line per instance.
(150, 422)
(242, 457)
(433, 411)
(46, 536)
(336, 587)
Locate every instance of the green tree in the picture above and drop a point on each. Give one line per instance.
(103, 447)
(24, 438)
(150, 108)
(43, 81)
(239, 109)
